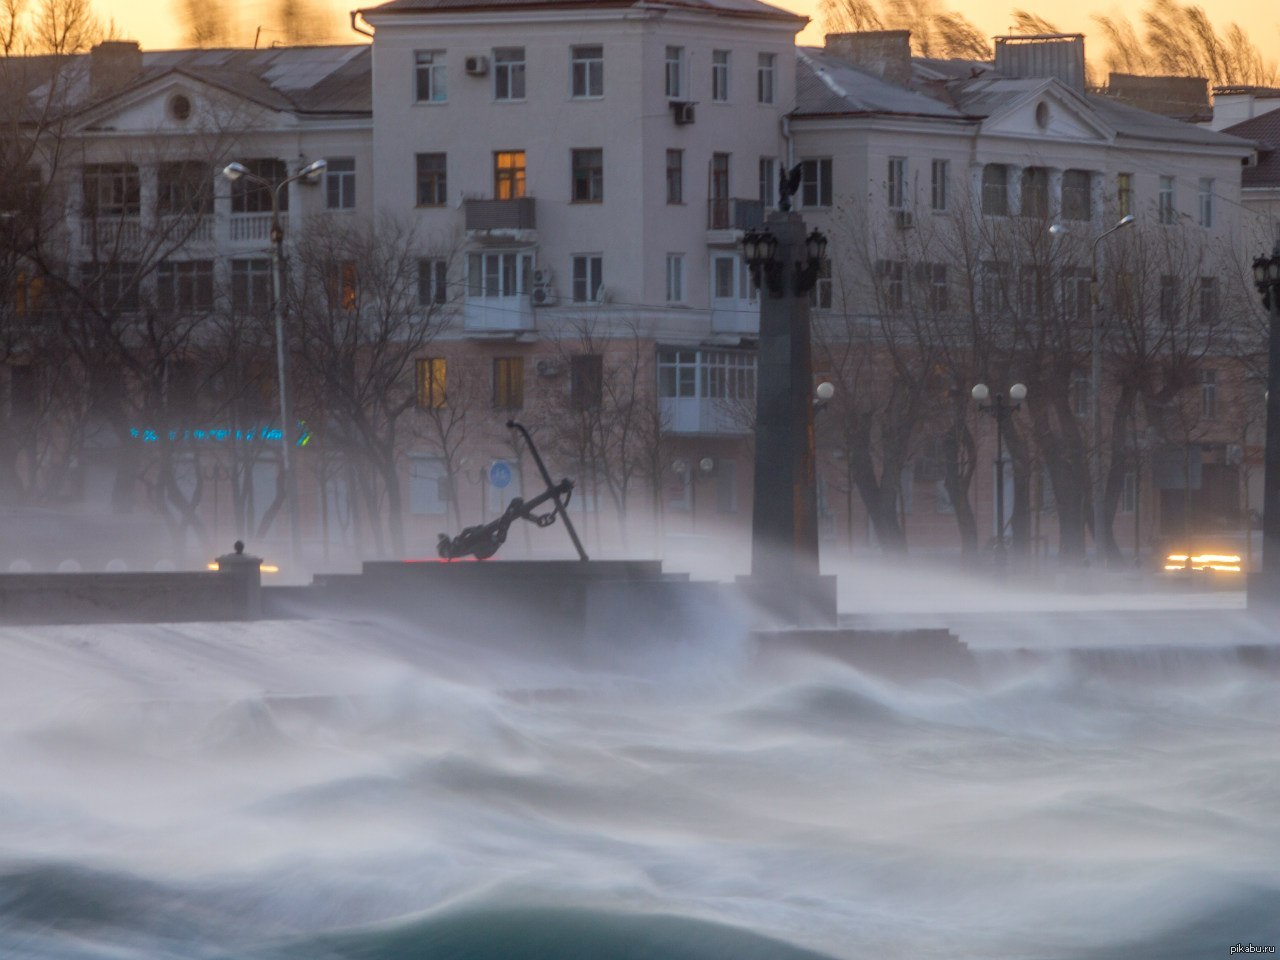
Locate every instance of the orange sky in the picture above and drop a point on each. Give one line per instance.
(155, 25)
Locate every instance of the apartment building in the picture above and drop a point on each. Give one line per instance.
(575, 180)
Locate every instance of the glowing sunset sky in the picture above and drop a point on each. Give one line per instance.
(155, 23)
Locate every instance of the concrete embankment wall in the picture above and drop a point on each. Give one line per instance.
(44, 598)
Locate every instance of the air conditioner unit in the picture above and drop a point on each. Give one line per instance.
(905, 219)
(548, 367)
(476, 66)
(683, 112)
(542, 296)
(542, 276)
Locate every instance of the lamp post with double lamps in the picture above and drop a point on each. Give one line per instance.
(233, 172)
(999, 407)
(1097, 485)
(1264, 586)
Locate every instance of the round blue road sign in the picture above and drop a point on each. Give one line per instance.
(500, 473)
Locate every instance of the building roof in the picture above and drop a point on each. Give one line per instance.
(829, 85)
(324, 80)
(754, 9)
(1264, 130)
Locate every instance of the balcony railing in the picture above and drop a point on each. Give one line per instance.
(187, 228)
(517, 214)
(731, 213)
(701, 415)
(113, 232)
(253, 227)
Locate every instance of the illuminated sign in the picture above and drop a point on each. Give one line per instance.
(217, 435)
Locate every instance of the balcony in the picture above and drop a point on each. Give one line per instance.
(497, 314)
(509, 216)
(116, 232)
(733, 214)
(700, 415)
(253, 227)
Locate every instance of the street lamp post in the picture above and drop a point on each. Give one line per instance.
(233, 172)
(1097, 483)
(999, 408)
(1264, 587)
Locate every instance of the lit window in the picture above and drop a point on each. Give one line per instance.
(432, 378)
(508, 174)
(508, 383)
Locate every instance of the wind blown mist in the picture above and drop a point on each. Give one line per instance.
(329, 789)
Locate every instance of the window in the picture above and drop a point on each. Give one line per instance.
(720, 178)
(1124, 194)
(720, 75)
(768, 181)
(675, 176)
(730, 279)
(508, 73)
(764, 77)
(251, 286)
(1168, 299)
(508, 174)
(677, 373)
(588, 277)
(433, 182)
(1166, 210)
(28, 294)
(184, 188)
(1080, 394)
(340, 184)
(588, 176)
(432, 376)
(587, 72)
(932, 278)
(820, 295)
(995, 190)
(112, 190)
(815, 182)
(111, 287)
(1077, 291)
(1208, 300)
(433, 287)
(430, 78)
(897, 183)
(586, 380)
(1076, 200)
(1208, 394)
(1206, 202)
(674, 71)
(675, 278)
(727, 375)
(992, 277)
(250, 197)
(940, 185)
(1035, 192)
(184, 286)
(344, 291)
(508, 383)
(429, 488)
(498, 274)
(892, 275)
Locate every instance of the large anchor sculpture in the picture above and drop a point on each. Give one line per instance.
(483, 541)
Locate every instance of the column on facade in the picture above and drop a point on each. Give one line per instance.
(1015, 189)
(1055, 194)
(1097, 196)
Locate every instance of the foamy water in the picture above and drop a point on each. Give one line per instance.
(353, 789)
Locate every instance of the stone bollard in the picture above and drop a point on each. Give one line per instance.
(245, 571)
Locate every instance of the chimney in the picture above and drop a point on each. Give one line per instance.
(885, 53)
(1182, 98)
(1057, 55)
(113, 65)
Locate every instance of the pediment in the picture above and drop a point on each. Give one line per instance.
(177, 104)
(1049, 111)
